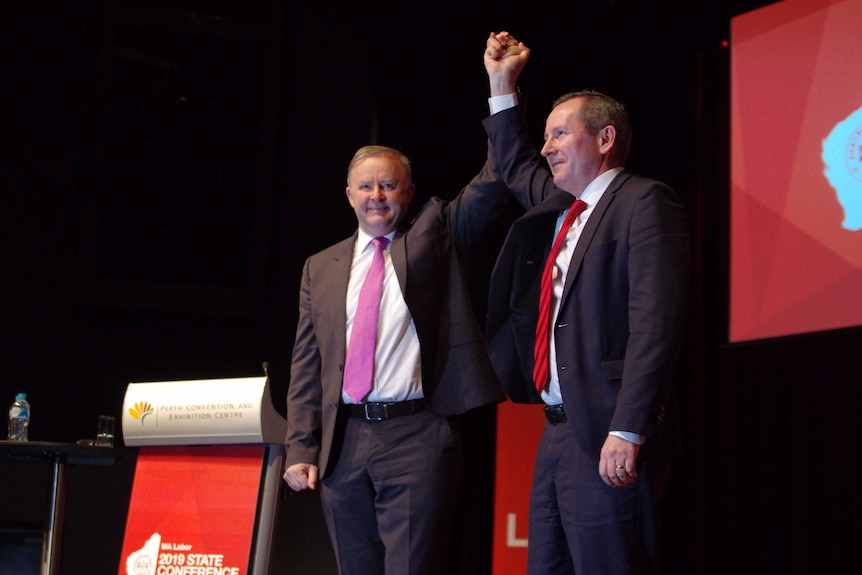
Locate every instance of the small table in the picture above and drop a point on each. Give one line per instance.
(58, 455)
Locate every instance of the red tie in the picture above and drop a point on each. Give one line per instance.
(542, 366)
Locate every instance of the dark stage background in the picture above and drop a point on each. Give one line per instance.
(167, 165)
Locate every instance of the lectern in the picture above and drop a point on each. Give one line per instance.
(205, 491)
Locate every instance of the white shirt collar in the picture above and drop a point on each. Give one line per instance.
(363, 239)
(593, 192)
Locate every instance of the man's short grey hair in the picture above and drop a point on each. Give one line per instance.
(599, 110)
(366, 152)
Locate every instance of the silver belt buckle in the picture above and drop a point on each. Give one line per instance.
(381, 414)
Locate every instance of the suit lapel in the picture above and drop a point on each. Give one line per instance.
(333, 280)
(589, 233)
(398, 253)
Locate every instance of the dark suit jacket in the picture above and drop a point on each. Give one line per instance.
(429, 259)
(622, 314)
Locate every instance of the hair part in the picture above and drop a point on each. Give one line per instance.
(598, 111)
(372, 151)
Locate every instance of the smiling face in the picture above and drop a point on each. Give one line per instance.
(380, 191)
(575, 156)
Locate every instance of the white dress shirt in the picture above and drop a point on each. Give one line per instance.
(397, 359)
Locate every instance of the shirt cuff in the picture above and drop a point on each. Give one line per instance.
(504, 102)
(630, 437)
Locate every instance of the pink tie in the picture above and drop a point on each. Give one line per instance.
(359, 365)
(542, 365)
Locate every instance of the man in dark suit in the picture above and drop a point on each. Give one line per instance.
(617, 315)
(388, 461)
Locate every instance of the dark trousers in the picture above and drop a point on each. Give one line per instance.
(578, 525)
(389, 501)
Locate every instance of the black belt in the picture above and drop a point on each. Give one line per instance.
(555, 414)
(379, 411)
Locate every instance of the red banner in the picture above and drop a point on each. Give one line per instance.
(519, 427)
(192, 511)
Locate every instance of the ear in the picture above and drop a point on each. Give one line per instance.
(607, 138)
(349, 196)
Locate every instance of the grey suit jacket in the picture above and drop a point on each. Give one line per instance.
(622, 313)
(429, 256)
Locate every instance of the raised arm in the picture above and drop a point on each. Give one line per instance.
(510, 147)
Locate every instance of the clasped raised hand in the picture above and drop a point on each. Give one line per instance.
(504, 57)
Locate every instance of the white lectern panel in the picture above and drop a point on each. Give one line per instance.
(201, 412)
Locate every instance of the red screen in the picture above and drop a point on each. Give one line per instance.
(796, 169)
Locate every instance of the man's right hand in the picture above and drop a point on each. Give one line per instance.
(504, 57)
(301, 476)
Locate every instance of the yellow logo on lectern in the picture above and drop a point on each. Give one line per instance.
(140, 410)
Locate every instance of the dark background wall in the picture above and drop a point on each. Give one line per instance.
(168, 165)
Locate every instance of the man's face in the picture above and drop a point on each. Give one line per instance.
(379, 193)
(573, 154)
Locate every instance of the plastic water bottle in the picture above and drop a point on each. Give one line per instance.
(19, 418)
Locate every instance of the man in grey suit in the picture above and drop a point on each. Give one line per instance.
(388, 462)
(618, 291)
